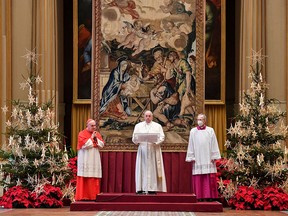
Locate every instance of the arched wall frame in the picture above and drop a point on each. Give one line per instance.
(215, 47)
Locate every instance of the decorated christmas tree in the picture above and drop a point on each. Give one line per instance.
(256, 152)
(34, 162)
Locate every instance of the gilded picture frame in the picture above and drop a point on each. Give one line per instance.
(215, 52)
(117, 38)
(82, 51)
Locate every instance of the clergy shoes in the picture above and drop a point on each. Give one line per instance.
(140, 192)
(144, 192)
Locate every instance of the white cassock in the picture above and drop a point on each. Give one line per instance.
(89, 161)
(203, 148)
(150, 175)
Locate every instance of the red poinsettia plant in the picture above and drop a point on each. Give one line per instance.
(270, 198)
(47, 197)
(20, 197)
(222, 175)
(221, 167)
(246, 198)
(16, 197)
(274, 198)
(73, 166)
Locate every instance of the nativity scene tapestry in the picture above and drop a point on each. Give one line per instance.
(146, 55)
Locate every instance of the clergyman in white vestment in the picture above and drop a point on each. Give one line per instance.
(150, 175)
(203, 151)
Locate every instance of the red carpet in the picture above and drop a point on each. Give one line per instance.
(134, 202)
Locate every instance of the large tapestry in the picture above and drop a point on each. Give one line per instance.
(149, 55)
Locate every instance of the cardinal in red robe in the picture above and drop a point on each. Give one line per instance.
(89, 171)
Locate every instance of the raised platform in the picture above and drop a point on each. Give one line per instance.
(135, 202)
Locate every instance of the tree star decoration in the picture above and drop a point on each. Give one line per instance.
(4, 109)
(257, 57)
(8, 123)
(36, 163)
(23, 85)
(19, 182)
(25, 161)
(60, 178)
(227, 144)
(253, 182)
(30, 180)
(38, 79)
(31, 56)
(14, 113)
(31, 99)
(38, 189)
(69, 191)
(260, 159)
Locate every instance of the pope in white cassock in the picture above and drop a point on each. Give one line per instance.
(150, 175)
